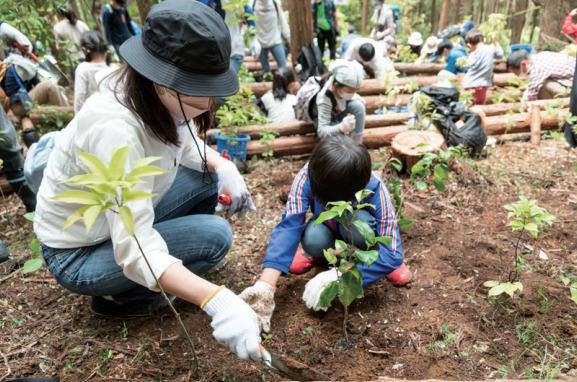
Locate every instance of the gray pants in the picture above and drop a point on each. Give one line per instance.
(10, 150)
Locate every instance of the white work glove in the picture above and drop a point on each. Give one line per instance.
(10, 34)
(260, 297)
(231, 183)
(255, 47)
(235, 324)
(315, 287)
(348, 124)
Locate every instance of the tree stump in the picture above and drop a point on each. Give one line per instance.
(406, 146)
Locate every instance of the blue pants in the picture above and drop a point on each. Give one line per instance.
(356, 108)
(184, 220)
(278, 54)
(318, 238)
(236, 61)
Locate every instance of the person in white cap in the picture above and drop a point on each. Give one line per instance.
(429, 51)
(415, 41)
(338, 109)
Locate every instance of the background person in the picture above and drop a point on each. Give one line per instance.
(569, 27)
(550, 73)
(278, 105)
(451, 54)
(371, 56)
(346, 41)
(272, 28)
(338, 168)
(415, 42)
(384, 20)
(117, 25)
(326, 26)
(148, 104)
(67, 34)
(429, 51)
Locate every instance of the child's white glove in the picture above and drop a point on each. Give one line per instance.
(231, 183)
(11, 34)
(255, 47)
(235, 324)
(260, 297)
(315, 287)
(348, 124)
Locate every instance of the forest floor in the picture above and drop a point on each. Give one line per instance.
(440, 326)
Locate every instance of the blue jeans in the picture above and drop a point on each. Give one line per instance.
(184, 220)
(318, 238)
(236, 61)
(278, 54)
(356, 108)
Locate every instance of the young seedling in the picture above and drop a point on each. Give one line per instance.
(237, 112)
(346, 257)
(267, 136)
(110, 188)
(527, 216)
(34, 264)
(435, 163)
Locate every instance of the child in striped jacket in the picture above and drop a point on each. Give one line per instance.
(338, 168)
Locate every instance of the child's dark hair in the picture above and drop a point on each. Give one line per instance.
(94, 44)
(474, 36)
(445, 44)
(367, 51)
(339, 167)
(62, 9)
(281, 81)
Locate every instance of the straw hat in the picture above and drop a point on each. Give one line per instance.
(430, 45)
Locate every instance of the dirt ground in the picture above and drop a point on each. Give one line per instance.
(441, 326)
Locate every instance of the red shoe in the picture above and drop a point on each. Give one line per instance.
(400, 276)
(301, 263)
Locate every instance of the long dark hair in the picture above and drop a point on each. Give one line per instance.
(140, 97)
(94, 44)
(281, 81)
(338, 168)
(63, 10)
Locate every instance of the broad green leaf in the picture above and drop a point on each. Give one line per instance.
(397, 165)
(90, 216)
(127, 219)
(85, 179)
(365, 205)
(76, 350)
(386, 240)
(573, 290)
(104, 189)
(367, 257)
(441, 171)
(118, 161)
(330, 256)
(365, 230)
(35, 247)
(565, 280)
(145, 171)
(32, 265)
(328, 294)
(76, 215)
(496, 290)
(491, 284)
(326, 215)
(360, 195)
(439, 185)
(351, 286)
(135, 195)
(30, 216)
(339, 244)
(533, 229)
(421, 186)
(79, 197)
(405, 223)
(94, 164)
(145, 161)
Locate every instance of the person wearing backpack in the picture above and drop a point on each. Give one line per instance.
(279, 104)
(116, 24)
(384, 19)
(338, 168)
(326, 27)
(272, 28)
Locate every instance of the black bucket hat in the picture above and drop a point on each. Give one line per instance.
(185, 46)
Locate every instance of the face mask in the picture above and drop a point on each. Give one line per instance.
(193, 106)
(346, 95)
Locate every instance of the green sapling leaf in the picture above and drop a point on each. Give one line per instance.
(79, 197)
(328, 294)
(326, 215)
(367, 257)
(135, 195)
(127, 219)
(421, 186)
(441, 171)
(330, 256)
(30, 216)
(365, 230)
(405, 223)
(95, 165)
(339, 244)
(35, 247)
(32, 265)
(351, 286)
(386, 240)
(439, 185)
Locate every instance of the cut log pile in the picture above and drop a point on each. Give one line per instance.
(381, 129)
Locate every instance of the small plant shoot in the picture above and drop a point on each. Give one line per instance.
(346, 257)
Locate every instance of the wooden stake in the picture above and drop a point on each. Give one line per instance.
(535, 124)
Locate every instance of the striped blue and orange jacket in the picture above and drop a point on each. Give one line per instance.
(286, 235)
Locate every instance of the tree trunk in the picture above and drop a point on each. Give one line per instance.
(445, 10)
(434, 19)
(301, 25)
(143, 9)
(419, 7)
(534, 17)
(364, 16)
(456, 11)
(468, 8)
(479, 16)
(518, 21)
(551, 15)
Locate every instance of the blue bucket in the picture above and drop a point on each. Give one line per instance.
(232, 147)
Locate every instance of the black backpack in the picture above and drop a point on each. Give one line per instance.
(449, 111)
(448, 32)
(311, 61)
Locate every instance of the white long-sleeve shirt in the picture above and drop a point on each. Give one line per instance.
(235, 29)
(268, 21)
(380, 64)
(102, 124)
(65, 31)
(85, 83)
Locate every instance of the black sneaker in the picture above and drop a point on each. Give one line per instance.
(30, 137)
(103, 307)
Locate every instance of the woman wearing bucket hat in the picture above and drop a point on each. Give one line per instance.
(339, 109)
(429, 51)
(172, 72)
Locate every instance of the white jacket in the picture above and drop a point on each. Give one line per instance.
(381, 64)
(102, 124)
(268, 21)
